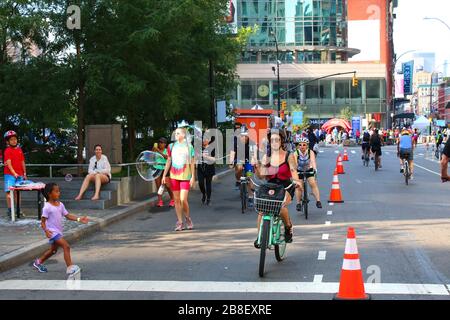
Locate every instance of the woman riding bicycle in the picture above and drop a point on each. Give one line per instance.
(305, 159)
(279, 169)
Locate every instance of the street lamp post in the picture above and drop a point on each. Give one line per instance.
(278, 71)
(396, 60)
(441, 21)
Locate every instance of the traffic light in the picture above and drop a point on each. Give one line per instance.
(354, 82)
(283, 105)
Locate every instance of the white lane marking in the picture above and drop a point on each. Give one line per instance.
(331, 204)
(318, 278)
(387, 152)
(329, 213)
(336, 151)
(416, 165)
(322, 255)
(218, 287)
(358, 181)
(421, 154)
(325, 236)
(353, 151)
(327, 223)
(321, 151)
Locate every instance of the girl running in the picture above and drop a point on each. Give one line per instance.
(182, 176)
(52, 225)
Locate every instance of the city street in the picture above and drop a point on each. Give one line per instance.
(401, 232)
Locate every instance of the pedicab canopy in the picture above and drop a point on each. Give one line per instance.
(257, 121)
(335, 122)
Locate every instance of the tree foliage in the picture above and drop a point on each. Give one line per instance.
(141, 63)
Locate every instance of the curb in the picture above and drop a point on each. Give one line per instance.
(31, 251)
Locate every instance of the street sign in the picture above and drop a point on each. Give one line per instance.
(221, 111)
(356, 125)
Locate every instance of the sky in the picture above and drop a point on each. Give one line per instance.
(411, 32)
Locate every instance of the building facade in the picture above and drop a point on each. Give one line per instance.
(444, 101)
(318, 39)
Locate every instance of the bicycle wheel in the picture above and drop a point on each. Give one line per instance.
(280, 249)
(243, 197)
(406, 172)
(264, 245)
(305, 199)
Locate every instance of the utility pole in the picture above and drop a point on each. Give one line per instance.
(212, 123)
(278, 71)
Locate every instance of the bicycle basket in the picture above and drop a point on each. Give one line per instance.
(269, 199)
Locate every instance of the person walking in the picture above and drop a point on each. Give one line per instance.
(206, 170)
(52, 225)
(181, 164)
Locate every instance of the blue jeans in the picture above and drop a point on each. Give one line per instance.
(10, 181)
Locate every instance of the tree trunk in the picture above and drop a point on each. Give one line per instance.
(80, 111)
(131, 134)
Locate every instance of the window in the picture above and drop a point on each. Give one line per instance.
(356, 92)
(373, 89)
(312, 90)
(247, 90)
(342, 89)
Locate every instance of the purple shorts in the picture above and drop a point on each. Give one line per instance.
(55, 238)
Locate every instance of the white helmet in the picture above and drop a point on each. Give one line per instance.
(304, 140)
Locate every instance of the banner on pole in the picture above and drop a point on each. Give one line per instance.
(408, 69)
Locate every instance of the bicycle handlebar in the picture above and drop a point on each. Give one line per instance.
(257, 185)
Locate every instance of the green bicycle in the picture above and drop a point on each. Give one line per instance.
(271, 230)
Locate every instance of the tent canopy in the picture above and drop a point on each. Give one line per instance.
(332, 123)
(421, 123)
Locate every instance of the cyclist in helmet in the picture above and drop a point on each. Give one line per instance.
(365, 143)
(405, 150)
(241, 155)
(305, 159)
(14, 169)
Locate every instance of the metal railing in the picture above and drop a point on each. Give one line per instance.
(77, 165)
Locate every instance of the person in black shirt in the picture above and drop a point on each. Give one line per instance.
(375, 146)
(365, 144)
(206, 171)
(312, 140)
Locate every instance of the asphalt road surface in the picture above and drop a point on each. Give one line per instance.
(401, 232)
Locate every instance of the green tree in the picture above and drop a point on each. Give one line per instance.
(346, 113)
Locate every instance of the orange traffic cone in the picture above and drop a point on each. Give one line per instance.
(340, 166)
(351, 286)
(335, 194)
(345, 155)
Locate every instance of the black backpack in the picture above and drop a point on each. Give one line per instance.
(366, 137)
(271, 191)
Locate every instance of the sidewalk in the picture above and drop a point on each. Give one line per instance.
(22, 241)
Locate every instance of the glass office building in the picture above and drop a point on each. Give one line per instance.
(307, 31)
(310, 34)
